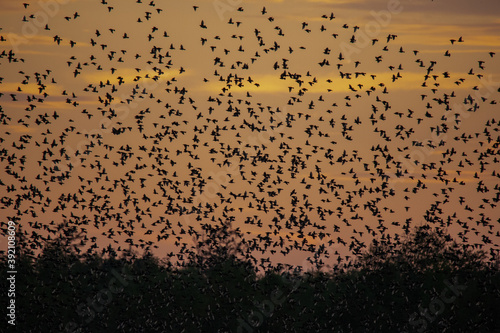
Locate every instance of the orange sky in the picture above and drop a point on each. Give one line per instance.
(208, 121)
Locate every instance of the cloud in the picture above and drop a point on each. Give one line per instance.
(20, 39)
(272, 84)
(130, 76)
(31, 88)
(20, 129)
(466, 7)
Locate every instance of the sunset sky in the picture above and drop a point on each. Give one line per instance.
(349, 119)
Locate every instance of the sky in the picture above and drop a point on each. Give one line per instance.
(313, 127)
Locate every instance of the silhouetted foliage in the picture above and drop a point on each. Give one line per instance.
(425, 283)
(424, 249)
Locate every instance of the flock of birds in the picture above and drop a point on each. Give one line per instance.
(191, 143)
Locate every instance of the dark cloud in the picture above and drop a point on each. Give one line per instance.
(458, 7)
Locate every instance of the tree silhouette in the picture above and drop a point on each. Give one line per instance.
(219, 243)
(423, 249)
(394, 288)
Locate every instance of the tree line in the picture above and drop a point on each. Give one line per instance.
(424, 283)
